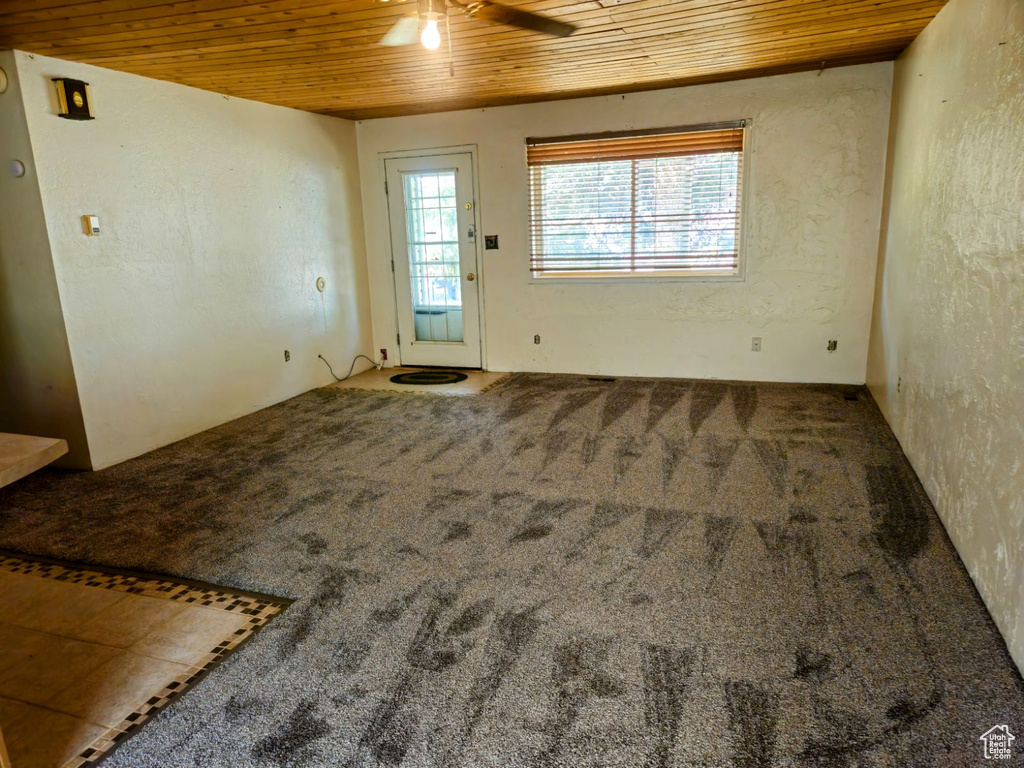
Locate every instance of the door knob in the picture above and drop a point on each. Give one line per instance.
(471, 277)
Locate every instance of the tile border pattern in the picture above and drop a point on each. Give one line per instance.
(495, 383)
(260, 609)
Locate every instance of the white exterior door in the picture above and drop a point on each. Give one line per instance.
(431, 208)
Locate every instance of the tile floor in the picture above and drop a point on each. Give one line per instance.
(475, 383)
(87, 657)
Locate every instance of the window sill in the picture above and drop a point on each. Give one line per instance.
(599, 278)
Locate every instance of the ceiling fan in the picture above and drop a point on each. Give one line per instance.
(429, 12)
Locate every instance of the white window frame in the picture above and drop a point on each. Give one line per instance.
(598, 278)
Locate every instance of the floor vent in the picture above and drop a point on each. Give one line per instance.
(850, 397)
(598, 378)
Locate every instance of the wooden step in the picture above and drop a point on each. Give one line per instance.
(22, 455)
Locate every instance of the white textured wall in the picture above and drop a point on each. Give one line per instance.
(38, 394)
(218, 214)
(815, 189)
(947, 347)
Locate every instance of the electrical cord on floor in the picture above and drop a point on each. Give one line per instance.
(376, 365)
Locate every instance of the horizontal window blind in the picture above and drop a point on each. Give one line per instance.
(642, 204)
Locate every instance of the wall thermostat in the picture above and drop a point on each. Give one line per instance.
(91, 225)
(321, 284)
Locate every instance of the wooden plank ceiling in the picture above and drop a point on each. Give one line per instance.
(324, 56)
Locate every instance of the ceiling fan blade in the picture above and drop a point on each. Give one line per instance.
(405, 32)
(513, 17)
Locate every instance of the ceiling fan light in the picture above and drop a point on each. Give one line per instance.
(431, 36)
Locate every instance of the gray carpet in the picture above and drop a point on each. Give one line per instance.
(559, 572)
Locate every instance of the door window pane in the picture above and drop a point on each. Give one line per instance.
(432, 236)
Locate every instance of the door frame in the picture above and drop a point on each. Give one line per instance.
(471, 150)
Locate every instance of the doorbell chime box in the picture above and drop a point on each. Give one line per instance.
(72, 99)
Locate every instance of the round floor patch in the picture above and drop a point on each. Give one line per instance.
(429, 377)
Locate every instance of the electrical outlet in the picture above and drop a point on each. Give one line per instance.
(287, 355)
(832, 344)
(755, 344)
(536, 339)
(899, 384)
(383, 354)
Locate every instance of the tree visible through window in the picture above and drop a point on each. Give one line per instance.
(661, 203)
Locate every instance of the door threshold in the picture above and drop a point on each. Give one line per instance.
(459, 368)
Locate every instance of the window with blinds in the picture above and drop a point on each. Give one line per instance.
(658, 203)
